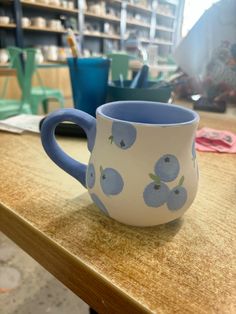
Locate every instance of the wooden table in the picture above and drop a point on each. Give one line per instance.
(6, 71)
(187, 266)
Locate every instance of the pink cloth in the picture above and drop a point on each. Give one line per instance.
(211, 140)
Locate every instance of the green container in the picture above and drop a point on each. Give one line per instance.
(116, 93)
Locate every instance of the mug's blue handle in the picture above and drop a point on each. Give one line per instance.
(64, 161)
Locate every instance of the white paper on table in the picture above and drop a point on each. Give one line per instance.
(21, 123)
(10, 129)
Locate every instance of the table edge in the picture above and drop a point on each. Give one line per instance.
(25, 235)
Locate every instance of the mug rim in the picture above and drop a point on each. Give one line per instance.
(196, 118)
(89, 60)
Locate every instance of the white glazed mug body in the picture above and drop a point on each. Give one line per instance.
(143, 169)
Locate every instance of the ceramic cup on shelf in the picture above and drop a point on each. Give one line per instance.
(43, 1)
(64, 4)
(4, 20)
(39, 22)
(54, 2)
(51, 53)
(107, 28)
(25, 21)
(39, 56)
(3, 56)
(54, 24)
(143, 169)
(96, 8)
(62, 54)
(86, 53)
(70, 5)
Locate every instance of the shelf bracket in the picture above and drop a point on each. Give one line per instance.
(80, 5)
(17, 11)
(123, 18)
(152, 33)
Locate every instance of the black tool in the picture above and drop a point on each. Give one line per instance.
(141, 78)
(205, 104)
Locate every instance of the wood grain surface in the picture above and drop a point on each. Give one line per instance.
(187, 266)
(53, 77)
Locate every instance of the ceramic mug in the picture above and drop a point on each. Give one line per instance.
(25, 21)
(3, 56)
(142, 170)
(4, 20)
(54, 24)
(39, 22)
(51, 53)
(39, 56)
(70, 5)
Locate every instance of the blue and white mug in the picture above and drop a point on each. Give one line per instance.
(142, 170)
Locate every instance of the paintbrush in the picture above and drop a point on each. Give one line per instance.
(72, 43)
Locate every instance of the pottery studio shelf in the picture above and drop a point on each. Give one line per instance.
(155, 27)
(139, 7)
(145, 40)
(137, 23)
(105, 17)
(11, 25)
(166, 15)
(48, 7)
(101, 35)
(43, 29)
(163, 42)
(142, 8)
(156, 41)
(164, 29)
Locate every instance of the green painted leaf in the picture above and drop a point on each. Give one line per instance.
(152, 176)
(111, 139)
(181, 181)
(155, 178)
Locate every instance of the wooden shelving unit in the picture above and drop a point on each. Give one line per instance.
(145, 40)
(139, 7)
(102, 17)
(137, 23)
(101, 35)
(49, 7)
(118, 2)
(159, 42)
(153, 27)
(165, 29)
(46, 29)
(163, 42)
(166, 15)
(10, 25)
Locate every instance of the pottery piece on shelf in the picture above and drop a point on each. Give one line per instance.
(25, 22)
(39, 22)
(3, 56)
(4, 20)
